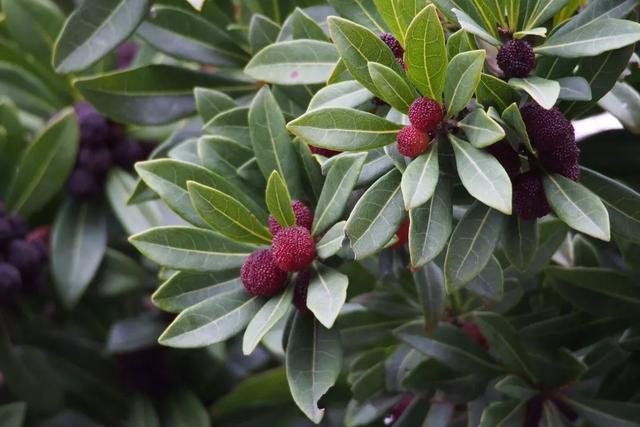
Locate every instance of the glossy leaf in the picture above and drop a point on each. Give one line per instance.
(420, 179)
(327, 293)
(481, 130)
(211, 102)
(392, 87)
(279, 201)
(332, 241)
(431, 293)
(348, 94)
(493, 92)
(398, 14)
(265, 319)
(520, 242)
(462, 78)
(544, 92)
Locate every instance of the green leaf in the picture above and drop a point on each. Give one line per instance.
(450, 346)
(212, 320)
(332, 241)
(79, 240)
(472, 244)
(295, 62)
(357, 47)
(431, 293)
(575, 89)
(327, 293)
(45, 165)
(185, 288)
(544, 11)
(516, 387)
(392, 87)
(469, 25)
(118, 275)
(510, 413)
(362, 12)
(377, 215)
(398, 14)
(187, 248)
(211, 102)
(185, 34)
(313, 363)
(153, 95)
(271, 142)
(516, 128)
(520, 242)
(27, 90)
(312, 174)
(482, 175)
(262, 32)
(493, 92)
(420, 179)
(13, 144)
(93, 30)
(459, 42)
(142, 413)
(591, 39)
(426, 53)
(279, 201)
(303, 27)
(481, 130)
(622, 202)
(13, 414)
(344, 129)
(183, 407)
(226, 157)
(505, 342)
(134, 218)
(431, 226)
(621, 102)
(544, 92)
(578, 207)
(227, 215)
(348, 94)
(265, 319)
(603, 413)
(463, 76)
(231, 124)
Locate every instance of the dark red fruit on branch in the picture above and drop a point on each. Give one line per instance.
(83, 184)
(304, 217)
(323, 151)
(563, 159)
(507, 156)
(412, 142)
(300, 291)
(261, 276)
(94, 128)
(516, 59)
(425, 114)
(393, 43)
(293, 248)
(529, 200)
(547, 129)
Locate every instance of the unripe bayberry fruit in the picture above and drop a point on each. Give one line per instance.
(529, 200)
(83, 184)
(507, 157)
(412, 142)
(10, 279)
(323, 151)
(425, 114)
(94, 128)
(547, 129)
(516, 59)
(300, 291)
(393, 43)
(261, 276)
(293, 248)
(304, 217)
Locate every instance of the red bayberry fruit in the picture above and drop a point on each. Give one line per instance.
(547, 129)
(403, 234)
(425, 114)
(323, 151)
(516, 59)
(507, 157)
(261, 276)
(293, 248)
(412, 142)
(529, 200)
(304, 217)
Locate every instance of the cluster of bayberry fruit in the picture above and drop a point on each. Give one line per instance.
(425, 115)
(103, 144)
(265, 273)
(23, 256)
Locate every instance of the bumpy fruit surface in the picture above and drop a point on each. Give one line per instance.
(293, 248)
(412, 142)
(300, 291)
(529, 200)
(425, 114)
(547, 129)
(261, 276)
(507, 157)
(10, 279)
(393, 43)
(563, 159)
(304, 217)
(516, 59)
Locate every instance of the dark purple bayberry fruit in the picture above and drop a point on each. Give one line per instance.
(425, 114)
(261, 276)
(96, 159)
(127, 152)
(293, 248)
(94, 128)
(304, 217)
(563, 159)
(507, 156)
(300, 290)
(529, 200)
(10, 280)
(412, 142)
(516, 59)
(547, 129)
(83, 184)
(126, 53)
(393, 43)
(24, 256)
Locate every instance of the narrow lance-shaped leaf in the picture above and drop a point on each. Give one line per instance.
(94, 29)
(426, 53)
(279, 201)
(481, 130)
(420, 179)
(313, 363)
(521, 242)
(327, 293)
(211, 321)
(262, 32)
(398, 14)
(489, 283)
(265, 319)
(227, 215)
(332, 241)
(431, 292)
(392, 87)
(462, 78)
(348, 94)
(211, 102)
